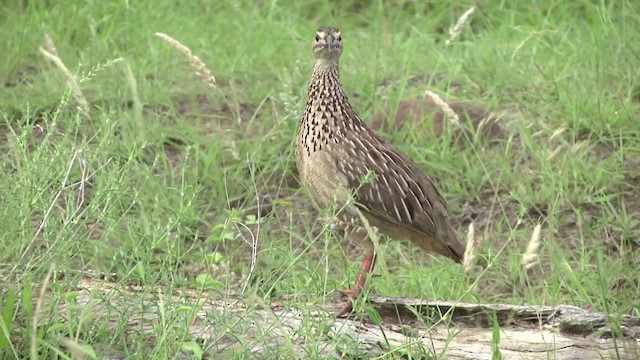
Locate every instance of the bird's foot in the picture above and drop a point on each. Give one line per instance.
(367, 267)
(346, 309)
(352, 294)
(348, 305)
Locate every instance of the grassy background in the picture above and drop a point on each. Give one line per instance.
(163, 183)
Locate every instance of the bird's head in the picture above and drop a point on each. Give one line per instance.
(327, 44)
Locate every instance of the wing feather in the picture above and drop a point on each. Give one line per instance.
(398, 192)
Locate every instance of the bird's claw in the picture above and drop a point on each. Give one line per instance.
(348, 305)
(350, 293)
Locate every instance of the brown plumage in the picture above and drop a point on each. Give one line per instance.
(336, 151)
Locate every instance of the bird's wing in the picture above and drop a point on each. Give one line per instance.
(387, 184)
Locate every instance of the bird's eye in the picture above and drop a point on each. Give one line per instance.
(339, 38)
(317, 37)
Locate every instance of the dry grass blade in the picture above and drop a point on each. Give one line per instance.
(530, 256)
(451, 115)
(470, 251)
(198, 65)
(49, 45)
(51, 54)
(456, 30)
(578, 146)
(552, 153)
(557, 133)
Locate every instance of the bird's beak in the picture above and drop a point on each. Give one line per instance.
(331, 42)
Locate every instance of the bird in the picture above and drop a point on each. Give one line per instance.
(343, 164)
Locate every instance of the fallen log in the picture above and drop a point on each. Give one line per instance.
(408, 328)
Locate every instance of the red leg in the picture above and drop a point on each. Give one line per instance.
(367, 267)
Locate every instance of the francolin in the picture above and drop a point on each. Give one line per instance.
(344, 164)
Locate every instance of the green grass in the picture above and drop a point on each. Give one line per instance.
(162, 182)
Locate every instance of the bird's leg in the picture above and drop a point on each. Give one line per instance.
(367, 268)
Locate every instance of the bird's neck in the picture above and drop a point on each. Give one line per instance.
(325, 81)
(327, 66)
(326, 101)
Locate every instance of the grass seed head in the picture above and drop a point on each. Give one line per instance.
(52, 54)
(456, 30)
(470, 252)
(196, 63)
(530, 256)
(451, 115)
